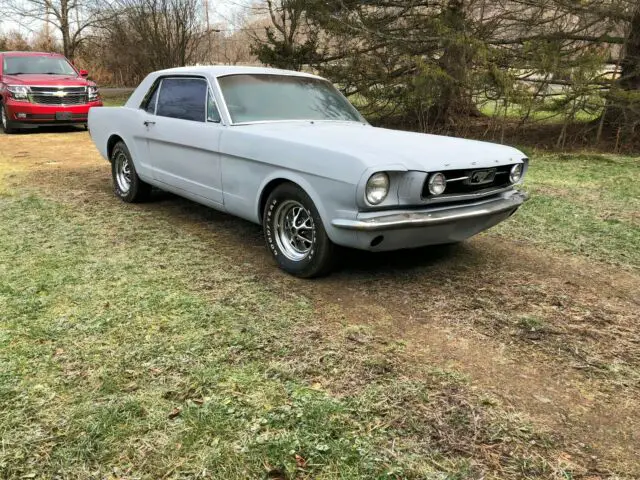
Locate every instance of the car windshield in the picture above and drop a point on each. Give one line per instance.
(20, 65)
(259, 97)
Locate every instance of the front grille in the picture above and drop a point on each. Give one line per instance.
(53, 88)
(461, 182)
(74, 99)
(54, 95)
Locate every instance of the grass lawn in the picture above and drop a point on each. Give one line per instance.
(114, 100)
(582, 203)
(140, 341)
(541, 113)
(129, 347)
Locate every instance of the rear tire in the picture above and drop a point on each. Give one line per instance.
(126, 183)
(295, 234)
(5, 124)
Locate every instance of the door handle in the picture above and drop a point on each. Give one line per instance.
(147, 123)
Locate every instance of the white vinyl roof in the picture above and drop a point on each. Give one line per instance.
(222, 70)
(206, 70)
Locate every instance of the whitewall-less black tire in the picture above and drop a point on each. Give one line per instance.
(295, 234)
(5, 124)
(126, 183)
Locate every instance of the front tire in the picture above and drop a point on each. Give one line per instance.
(126, 183)
(5, 124)
(295, 234)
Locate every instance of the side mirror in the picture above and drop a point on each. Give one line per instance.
(84, 73)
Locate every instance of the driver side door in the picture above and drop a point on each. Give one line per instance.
(183, 137)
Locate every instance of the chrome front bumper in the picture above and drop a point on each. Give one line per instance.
(424, 218)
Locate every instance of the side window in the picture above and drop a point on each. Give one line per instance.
(213, 115)
(183, 98)
(149, 101)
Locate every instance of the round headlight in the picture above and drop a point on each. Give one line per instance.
(516, 173)
(377, 188)
(437, 183)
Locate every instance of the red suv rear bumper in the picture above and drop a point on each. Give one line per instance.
(31, 115)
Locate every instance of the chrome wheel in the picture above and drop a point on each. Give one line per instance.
(4, 117)
(295, 231)
(123, 172)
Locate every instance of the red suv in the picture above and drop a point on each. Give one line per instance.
(43, 89)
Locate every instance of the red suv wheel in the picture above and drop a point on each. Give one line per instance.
(5, 124)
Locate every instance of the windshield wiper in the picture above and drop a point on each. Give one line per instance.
(15, 73)
(54, 73)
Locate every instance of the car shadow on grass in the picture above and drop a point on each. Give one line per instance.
(51, 129)
(245, 235)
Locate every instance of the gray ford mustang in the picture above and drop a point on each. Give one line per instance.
(288, 151)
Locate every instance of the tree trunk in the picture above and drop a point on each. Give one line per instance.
(455, 101)
(64, 29)
(630, 78)
(623, 104)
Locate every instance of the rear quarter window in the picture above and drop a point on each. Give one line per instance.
(149, 101)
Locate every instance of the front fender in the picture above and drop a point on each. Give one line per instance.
(332, 198)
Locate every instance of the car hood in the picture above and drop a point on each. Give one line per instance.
(46, 80)
(390, 148)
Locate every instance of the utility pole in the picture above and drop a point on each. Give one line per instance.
(206, 18)
(47, 33)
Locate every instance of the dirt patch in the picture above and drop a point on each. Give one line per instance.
(576, 376)
(554, 337)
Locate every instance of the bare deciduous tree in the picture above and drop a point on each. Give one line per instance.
(140, 36)
(70, 18)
